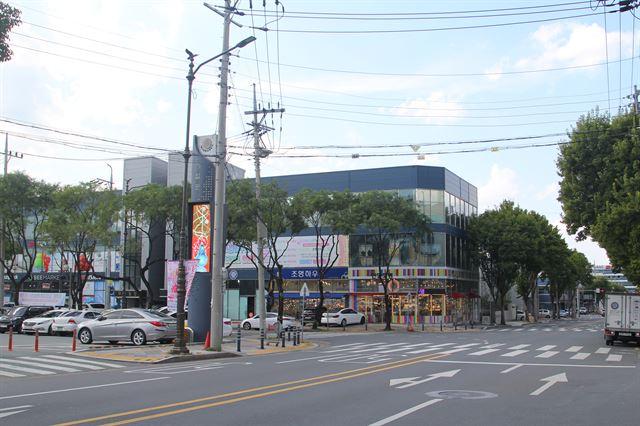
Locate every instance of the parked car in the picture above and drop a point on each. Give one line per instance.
(42, 323)
(544, 313)
(342, 317)
(69, 321)
(583, 310)
(16, 316)
(519, 315)
(227, 329)
(136, 325)
(309, 315)
(98, 307)
(564, 313)
(253, 323)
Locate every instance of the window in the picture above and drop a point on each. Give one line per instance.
(89, 315)
(131, 315)
(113, 315)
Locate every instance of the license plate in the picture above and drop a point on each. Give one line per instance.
(624, 334)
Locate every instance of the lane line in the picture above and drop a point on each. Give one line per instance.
(42, 366)
(510, 369)
(484, 352)
(16, 408)
(515, 353)
(81, 388)
(603, 350)
(405, 413)
(534, 364)
(547, 354)
(581, 355)
(546, 348)
(299, 384)
(574, 349)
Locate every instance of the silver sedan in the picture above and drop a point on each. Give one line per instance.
(136, 325)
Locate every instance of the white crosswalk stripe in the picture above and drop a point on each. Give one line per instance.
(484, 352)
(9, 374)
(614, 358)
(515, 353)
(546, 348)
(581, 355)
(494, 345)
(519, 346)
(41, 365)
(45, 365)
(547, 354)
(603, 350)
(84, 361)
(574, 349)
(27, 370)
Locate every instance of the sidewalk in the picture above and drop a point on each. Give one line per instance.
(395, 328)
(159, 354)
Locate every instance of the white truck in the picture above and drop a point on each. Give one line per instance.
(622, 318)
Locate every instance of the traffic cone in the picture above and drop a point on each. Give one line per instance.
(35, 345)
(207, 341)
(10, 339)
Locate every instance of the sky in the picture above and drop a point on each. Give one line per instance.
(389, 83)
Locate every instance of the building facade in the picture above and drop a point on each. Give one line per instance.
(434, 279)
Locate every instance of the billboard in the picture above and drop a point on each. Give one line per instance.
(201, 236)
(28, 298)
(171, 276)
(301, 253)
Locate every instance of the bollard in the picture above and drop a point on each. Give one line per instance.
(261, 339)
(465, 325)
(366, 325)
(295, 337)
(440, 323)
(298, 334)
(472, 324)
(288, 335)
(35, 346)
(422, 325)
(74, 337)
(455, 326)
(238, 338)
(283, 340)
(10, 338)
(344, 327)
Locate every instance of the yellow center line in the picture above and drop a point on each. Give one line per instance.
(298, 384)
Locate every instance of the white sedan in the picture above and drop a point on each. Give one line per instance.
(69, 321)
(42, 324)
(272, 318)
(342, 317)
(227, 329)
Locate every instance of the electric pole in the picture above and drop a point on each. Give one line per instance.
(260, 152)
(7, 155)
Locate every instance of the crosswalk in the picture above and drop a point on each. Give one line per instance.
(381, 351)
(554, 329)
(47, 365)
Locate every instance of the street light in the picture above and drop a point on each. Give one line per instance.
(180, 346)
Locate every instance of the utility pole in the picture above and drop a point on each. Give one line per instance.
(219, 193)
(7, 155)
(259, 153)
(108, 281)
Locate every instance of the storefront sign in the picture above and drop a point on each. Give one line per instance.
(29, 298)
(302, 273)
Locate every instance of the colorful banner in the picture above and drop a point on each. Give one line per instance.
(201, 236)
(171, 275)
(32, 298)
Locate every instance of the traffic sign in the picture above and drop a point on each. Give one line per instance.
(304, 291)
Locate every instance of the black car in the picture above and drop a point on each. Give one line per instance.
(309, 315)
(16, 316)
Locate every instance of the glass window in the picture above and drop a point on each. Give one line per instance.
(437, 195)
(131, 315)
(113, 315)
(409, 194)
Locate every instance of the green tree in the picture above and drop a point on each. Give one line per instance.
(330, 214)
(153, 213)
(9, 18)
(599, 190)
(81, 218)
(24, 207)
(391, 221)
(605, 286)
(497, 247)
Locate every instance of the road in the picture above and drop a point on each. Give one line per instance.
(557, 373)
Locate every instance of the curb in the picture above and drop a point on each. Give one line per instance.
(160, 359)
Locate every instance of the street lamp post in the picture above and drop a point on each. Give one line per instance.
(180, 346)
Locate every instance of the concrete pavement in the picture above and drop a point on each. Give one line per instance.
(557, 374)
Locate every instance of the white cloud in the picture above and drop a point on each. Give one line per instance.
(593, 252)
(437, 108)
(163, 106)
(550, 190)
(502, 184)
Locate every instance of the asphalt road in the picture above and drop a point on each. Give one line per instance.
(558, 373)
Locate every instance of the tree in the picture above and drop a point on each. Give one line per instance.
(497, 244)
(605, 286)
(330, 214)
(80, 219)
(154, 214)
(9, 18)
(392, 222)
(600, 171)
(24, 208)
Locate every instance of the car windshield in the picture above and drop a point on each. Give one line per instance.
(51, 314)
(17, 311)
(71, 314)
(334, 310)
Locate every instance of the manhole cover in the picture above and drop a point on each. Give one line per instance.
(461, 394)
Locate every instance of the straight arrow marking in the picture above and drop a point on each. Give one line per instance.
(410, 381)
(551, 380)
(405, 412)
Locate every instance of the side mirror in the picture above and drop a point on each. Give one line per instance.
(101, 318)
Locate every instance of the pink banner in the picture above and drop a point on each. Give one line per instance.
(171, 275)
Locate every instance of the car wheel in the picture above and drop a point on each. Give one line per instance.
(343, 323)
(362, 320)
(50, 331)
(165, 341)
(85, 336)
(113, 342)
(138, 337)
(246, 325)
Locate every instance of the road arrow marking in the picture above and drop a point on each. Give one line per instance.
(15, 410)
(404, 413)
(408, 382)
(551, 380)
